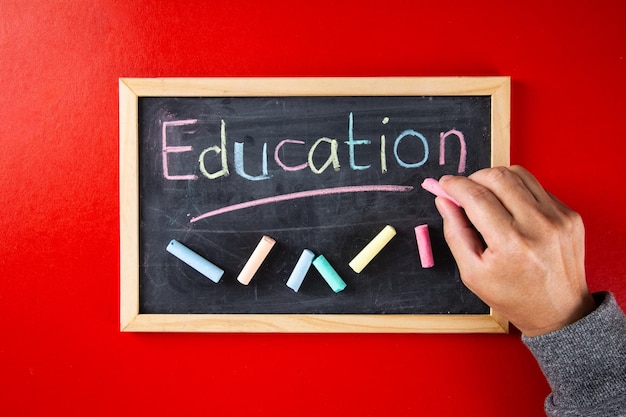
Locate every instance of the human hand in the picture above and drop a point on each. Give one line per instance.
(532, 268)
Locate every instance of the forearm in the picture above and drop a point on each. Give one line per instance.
(585, 363)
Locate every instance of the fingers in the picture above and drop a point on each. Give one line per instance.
(499, 199)
(458, 232)
(509, 188)
(483, 208)
(530, 182)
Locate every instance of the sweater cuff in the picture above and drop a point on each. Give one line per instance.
(585, 362)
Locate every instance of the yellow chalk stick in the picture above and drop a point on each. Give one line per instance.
(256, 259)
(372, 249)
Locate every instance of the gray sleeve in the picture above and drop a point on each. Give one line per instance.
(585, 363)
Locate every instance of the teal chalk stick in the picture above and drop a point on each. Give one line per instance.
(329, 274)
(197, 262)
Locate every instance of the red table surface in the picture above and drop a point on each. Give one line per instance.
(61, 351)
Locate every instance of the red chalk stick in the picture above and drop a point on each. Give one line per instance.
(423, 246)
(432, 185)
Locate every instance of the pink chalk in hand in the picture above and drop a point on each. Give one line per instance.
(432, 185)
(423, 246)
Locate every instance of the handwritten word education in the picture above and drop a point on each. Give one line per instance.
(213, 162)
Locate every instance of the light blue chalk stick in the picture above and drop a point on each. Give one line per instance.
(329, 274)
(299, 271)
(197, 262)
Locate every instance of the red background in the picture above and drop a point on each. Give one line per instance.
(61, 352)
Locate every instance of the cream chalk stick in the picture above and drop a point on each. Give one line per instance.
(256, 259)
(372, 249)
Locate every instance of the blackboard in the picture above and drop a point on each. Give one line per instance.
(324, 172)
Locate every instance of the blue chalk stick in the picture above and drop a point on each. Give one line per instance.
(329, 274)
(299, 271)
(197, 262)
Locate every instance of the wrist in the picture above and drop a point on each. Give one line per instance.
(561, 318)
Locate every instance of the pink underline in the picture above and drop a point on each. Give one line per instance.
(305, 194)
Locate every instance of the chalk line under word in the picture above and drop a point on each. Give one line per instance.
(305, 194)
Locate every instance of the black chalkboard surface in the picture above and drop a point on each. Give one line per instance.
(318, 172)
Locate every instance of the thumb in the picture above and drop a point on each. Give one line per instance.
(461, 237)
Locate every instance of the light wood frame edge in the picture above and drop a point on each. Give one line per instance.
(132, 88)
(129, 206)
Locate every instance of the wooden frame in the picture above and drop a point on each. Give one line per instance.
(132, 88)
